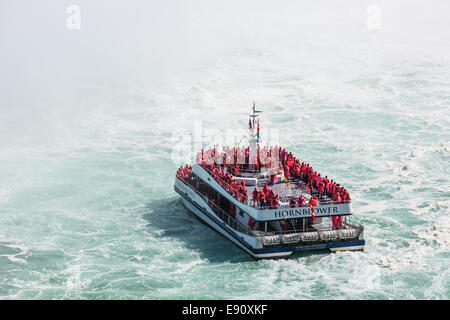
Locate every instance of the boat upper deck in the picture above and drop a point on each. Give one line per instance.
(202, 180)
(285, 189)
(281, 180)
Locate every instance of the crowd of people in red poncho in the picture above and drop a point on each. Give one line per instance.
(265, 197)
(235, 159)
(240, 158)
(184, 172)
(314, 180)
(208, 158)
(227, 182)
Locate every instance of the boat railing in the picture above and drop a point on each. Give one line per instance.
(224, 216)
(264, 207)
(238, 226)
(228, 219)
(247, 202)
(229, 186)
(264, 171)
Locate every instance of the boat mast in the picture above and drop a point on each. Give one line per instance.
(254, 116)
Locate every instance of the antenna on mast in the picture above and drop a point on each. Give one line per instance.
(254, 116)
(255, 113)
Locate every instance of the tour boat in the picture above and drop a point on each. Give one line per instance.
(266, 201)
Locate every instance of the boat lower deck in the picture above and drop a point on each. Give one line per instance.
(252, 241)
(278, 251)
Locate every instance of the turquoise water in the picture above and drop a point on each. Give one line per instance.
(88, 157)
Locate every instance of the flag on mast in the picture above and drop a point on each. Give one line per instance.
(250, 124)
(258, 130)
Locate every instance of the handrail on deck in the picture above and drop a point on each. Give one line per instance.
(226, 183)
(245, 228)
(262, 171)
(247, 202)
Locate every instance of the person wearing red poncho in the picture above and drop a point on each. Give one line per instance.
(321, 189)
(313, 201)
(285, 225)
(274, 178)
(275, 202)
(261, 197)
(301, 201)
(292, 203)
(287, 174)
(255, 196)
